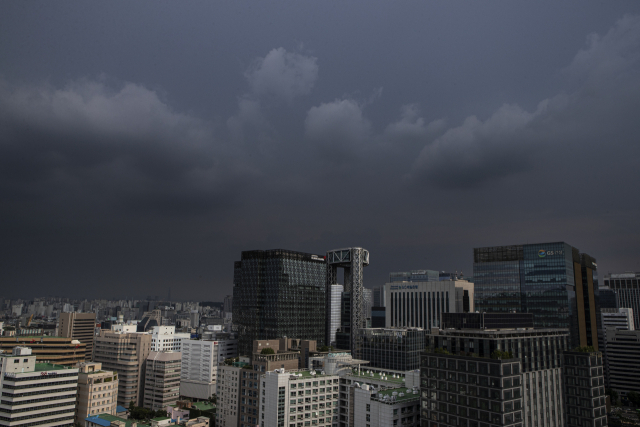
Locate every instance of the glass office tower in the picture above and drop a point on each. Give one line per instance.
(279, 293)
(553, 281)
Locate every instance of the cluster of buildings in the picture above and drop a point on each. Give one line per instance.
(532, 339)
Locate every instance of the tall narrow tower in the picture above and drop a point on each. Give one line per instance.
(353, 261)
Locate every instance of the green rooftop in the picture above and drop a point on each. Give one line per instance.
(50, 367)
(377, 376)
(160, 419)
(203, 406)
(109, 417)
(408, 395)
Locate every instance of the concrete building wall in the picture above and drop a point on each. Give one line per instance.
(97, 391)
(162, 379)
(79, 326)
(228, 392)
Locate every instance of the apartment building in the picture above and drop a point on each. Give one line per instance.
(162, 379)
(125, 354)
(79, 326)
(97, 391)
(41, 394)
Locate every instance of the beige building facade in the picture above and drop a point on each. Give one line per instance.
(97, 391)
(162, 379)
(79, 326)
(125, 354)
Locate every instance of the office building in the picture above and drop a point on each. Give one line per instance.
(375, 398)
(537, 354)
(414, 276)
(162, 379)
(279, 293)
(378, 317)
(298, 397)
(200, 364)
(608, 298)
(97, 391)
(622, 350)
(553, 281)
(228, 392)
(333, 312)
(227, 305)
(165, 338)
(627, 288)
(471, 391)
(584, 389)
(36, 394)
(486, 320)
(421, 304)
(149, 320)
(617, 318)
(57, 350)
(394, 348)
(124, 353)
(379, 297)
(79, 326)
(352, 261)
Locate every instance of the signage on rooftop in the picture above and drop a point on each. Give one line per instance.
(402, 287)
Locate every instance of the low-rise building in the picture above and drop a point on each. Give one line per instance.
(97, 391)
(57, 350)
(36, 394)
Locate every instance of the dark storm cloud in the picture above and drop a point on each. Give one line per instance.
(120, 187)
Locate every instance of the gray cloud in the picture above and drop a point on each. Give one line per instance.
(283, 74)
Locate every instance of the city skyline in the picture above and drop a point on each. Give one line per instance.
(145, 146)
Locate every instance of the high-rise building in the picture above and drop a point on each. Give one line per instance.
(487, 320)
(149, 320)
(333, 312)
(472, 352)
(617, 318)
(97, 391)
(79, 326)
(421, 304)
(125, 353)
(367, 296)
(554, 281)
(227, 305)
(36, 394)
(352, 261)
(58, 350)
(394, 348)
(622, 349)
(378, 317)
(228, 393)
(200, 364)
(279, 293)
(297, 397)
(162, 379)
(584, 389)
(379, 297)
(414, 276)
(627, 288)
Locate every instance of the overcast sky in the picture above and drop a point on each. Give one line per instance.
(144, 145)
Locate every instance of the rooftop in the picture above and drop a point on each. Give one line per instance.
(408, 395)
(51, 367)
(377, 376)
(105, 420)
(203, 406)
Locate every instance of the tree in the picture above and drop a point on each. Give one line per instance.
(267, 351)
(498, 354)
(613, 395)
(634, 397)
(214, 399)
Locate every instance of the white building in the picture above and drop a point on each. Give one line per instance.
(27, 388)
(298, 397)
(200, 364)
(165, 338)
(228, 392)
(421, 304)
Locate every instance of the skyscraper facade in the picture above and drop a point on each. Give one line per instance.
(279, 293)
(333, 314)
(553, 281)
(353, 261)
(627, 288)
